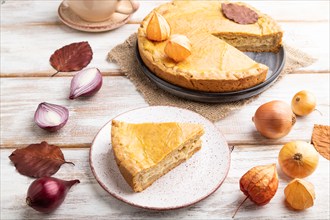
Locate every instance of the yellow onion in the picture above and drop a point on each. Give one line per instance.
(303, 103)
(298, 159)
(274, 119)
(299, 194)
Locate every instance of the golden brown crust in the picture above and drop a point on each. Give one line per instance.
(137, 160)
(205, 85)
(215, 80)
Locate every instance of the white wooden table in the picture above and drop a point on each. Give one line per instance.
(31, 32)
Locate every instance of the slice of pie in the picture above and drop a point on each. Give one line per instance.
(145, 152)
(216, 63)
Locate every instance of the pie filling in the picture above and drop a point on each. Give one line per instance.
(145, 178)
(145, 152)
(253, 43)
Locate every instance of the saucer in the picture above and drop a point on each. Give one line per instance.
(68, 17)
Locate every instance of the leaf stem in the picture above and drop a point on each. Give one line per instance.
(239, 206)
(55, 74)
(69, 163)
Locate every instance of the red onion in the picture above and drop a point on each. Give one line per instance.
(51, 117)
(47, 193)
(86, 83)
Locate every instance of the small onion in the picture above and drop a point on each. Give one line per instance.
(51, 117)
(274, 119)
(86, 83)
(298, 159)
(47, 193)
(303, 103)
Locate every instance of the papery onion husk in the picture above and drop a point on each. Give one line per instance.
(51, 117)
(86, 83)
(46, 194)
(274, 119)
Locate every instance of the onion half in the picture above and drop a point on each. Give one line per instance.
(86, 83)
(51, 117)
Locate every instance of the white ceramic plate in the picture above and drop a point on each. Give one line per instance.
(189, 183)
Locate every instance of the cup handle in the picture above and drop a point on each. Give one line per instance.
(125, 10)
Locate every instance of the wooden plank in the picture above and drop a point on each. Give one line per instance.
(18, 107)
(22, 56)
(238, 128)
(21, 96)
(88, 200)
(45, 12)
(33, 58)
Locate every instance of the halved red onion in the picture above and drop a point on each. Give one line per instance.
(86, 83)
(51, 117)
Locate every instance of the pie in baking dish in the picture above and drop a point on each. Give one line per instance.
(145, 152)
(216, 63)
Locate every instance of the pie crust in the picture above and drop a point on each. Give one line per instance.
(145, 152)
(216, 63)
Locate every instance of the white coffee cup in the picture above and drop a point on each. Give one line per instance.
(100, 10)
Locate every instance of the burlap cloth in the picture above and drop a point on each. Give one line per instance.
(124, 55)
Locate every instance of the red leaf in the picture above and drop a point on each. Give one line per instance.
(37, 160)
(72, 57)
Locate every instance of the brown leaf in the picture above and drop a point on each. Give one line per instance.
(37, 160)
(239, 13)
(72, 57)
(321, 140)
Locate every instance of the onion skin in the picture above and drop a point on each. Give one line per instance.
(46, 194)
(298, 159)
(274, 119)
(303, 103)
(41, 119)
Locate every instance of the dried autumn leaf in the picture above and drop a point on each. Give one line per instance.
(72, 57)
(37, 160)
(239, 13)
(321, 140)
